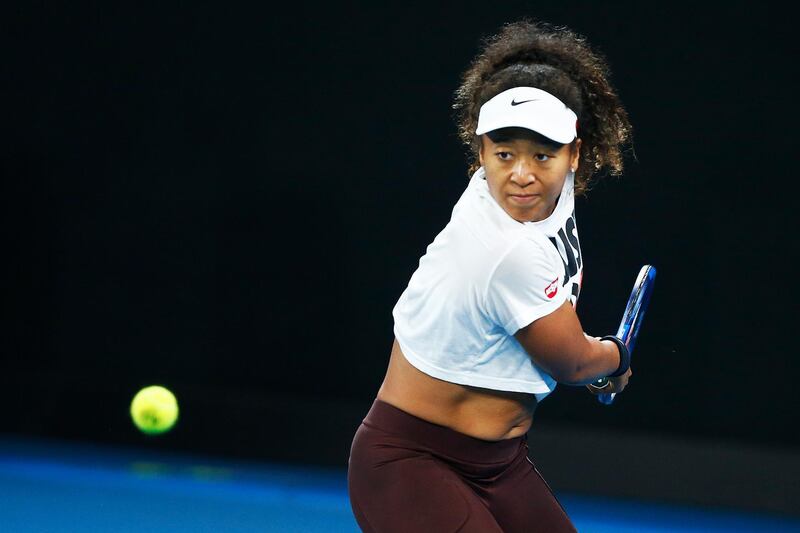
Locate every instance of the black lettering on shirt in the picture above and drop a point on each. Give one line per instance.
(569, 248)
(572, 236)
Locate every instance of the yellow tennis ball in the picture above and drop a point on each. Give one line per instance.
(154, 410)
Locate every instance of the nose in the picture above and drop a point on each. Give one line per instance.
(523, 173)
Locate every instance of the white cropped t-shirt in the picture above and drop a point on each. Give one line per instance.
(484, 277)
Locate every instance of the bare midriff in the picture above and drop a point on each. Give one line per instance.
(481, 413)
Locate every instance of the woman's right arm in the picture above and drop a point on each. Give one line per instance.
(558, 345)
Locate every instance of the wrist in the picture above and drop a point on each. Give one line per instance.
(624, 355)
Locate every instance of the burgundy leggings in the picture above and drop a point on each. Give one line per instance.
(408, 475)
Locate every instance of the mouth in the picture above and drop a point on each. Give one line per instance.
(523, 198)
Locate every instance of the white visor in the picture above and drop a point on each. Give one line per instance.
(532, 109)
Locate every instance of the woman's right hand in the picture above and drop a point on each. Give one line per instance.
(615, 385)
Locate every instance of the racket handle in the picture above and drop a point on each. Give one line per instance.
(606, 398)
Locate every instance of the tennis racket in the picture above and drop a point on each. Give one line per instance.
(632, 319)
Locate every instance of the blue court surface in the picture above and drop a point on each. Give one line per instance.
(59, 486)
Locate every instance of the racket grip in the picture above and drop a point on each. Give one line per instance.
(606, 398)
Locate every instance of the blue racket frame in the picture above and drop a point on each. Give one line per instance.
(632, 319)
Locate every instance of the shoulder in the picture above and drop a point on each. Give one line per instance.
(525, 284)
(530, 254)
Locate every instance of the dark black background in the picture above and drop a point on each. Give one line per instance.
(229, 200)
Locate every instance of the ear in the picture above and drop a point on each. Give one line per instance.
(575, 155)
(480, 149)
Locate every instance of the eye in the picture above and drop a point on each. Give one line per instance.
(542, 157)
(504, 156)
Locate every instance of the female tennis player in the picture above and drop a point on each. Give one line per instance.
(487, 325)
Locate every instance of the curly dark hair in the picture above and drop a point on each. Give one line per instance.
(561, 62)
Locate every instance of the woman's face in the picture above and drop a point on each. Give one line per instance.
(525, 176)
